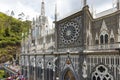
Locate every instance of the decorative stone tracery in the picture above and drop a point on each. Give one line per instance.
(112, 37)
(104, 33)
(96, 39)
(101, 73)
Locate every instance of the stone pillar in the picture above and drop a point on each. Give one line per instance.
(119, 31)
(28, 68)
(35, 67)
(44, 67)
(82, 57)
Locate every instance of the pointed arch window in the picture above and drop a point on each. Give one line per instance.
(112, 37)
(101, 39)
(112, 40)
(106, 39)
(49, 71)
(104, 33)
(69, 75)
(96, 39)
(96, 42)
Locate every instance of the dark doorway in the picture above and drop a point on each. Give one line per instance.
(69, 75)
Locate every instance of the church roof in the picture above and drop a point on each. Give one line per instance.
(106, 12)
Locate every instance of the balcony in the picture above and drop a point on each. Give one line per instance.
(104, 47)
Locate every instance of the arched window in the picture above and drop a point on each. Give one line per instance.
(112, 40)
(104, 33)
(101, 73)
(96, 39)
(39, 68)
(101, 39)
(106, 39)
(112, 37)
(96, 42)
(49, 71)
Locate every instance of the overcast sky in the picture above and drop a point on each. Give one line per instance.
(33, 7)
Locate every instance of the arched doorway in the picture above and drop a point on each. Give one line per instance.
(69, 75)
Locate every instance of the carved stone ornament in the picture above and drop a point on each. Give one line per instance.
(70, 32)
(68, 62)
(84, 69)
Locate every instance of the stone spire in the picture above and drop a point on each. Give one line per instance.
(92, 9)
(43, 8)
(84, 3)
(118, 4)
(56, 12)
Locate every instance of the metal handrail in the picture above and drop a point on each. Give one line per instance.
(10, 70)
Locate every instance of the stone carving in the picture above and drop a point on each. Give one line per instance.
(101, 73)
(70, 33)
(40, 63)
(96, 37)
(111, 34)
(22, 60)
(118, 69)
(103, 28)
(84, 69)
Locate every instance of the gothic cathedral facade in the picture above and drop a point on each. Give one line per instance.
(80, 47)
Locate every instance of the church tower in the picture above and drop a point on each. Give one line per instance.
(43, 20)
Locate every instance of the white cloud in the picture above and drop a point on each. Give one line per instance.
(26, 10)
(18, 7)
(33, 7)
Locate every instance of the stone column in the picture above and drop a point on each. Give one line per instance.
(43, 67)
(28, 68)
(35, 67)
(119, 31)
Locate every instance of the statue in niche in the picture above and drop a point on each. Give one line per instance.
(119, 69)
(84, 69)
(119, 31)
(119, 35)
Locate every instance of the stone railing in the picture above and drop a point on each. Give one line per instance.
(104, 46)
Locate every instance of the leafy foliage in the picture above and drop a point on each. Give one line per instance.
(10, 35)
(2, 74)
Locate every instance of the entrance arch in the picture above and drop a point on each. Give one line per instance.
(68, 74)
